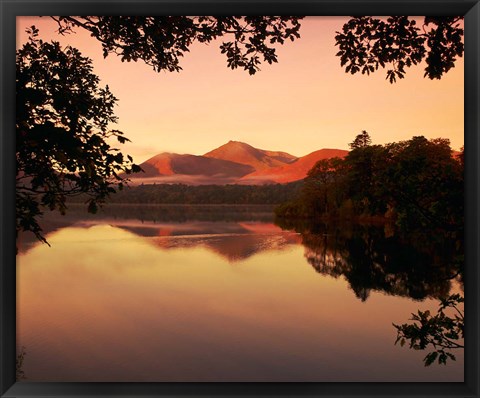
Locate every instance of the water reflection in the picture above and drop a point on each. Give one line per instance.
(370, 258)
(373, 258)
(207, 299)
(157, 220)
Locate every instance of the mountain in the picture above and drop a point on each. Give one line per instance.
(190, 169)
(232, 163)
(172, 163)
(294, 171)
(242, 153)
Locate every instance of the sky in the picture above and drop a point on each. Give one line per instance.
(303, 103)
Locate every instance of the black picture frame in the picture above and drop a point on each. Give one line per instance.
(10, 9)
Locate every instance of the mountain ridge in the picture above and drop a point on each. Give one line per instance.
(294, 171)
(243, 153)
(232, 163)
(168, 163)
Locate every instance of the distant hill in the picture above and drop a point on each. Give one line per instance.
(190, 169)
(294, 171)
(232, 163)
(242, 153)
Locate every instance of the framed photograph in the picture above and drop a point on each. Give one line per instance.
(202, 198)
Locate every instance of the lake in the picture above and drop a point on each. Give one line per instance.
(223, 293)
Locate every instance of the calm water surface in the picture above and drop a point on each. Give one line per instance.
(149, 293)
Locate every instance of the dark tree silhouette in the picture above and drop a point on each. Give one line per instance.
(418, 183)
(63, 139)
(56, 91)
(361, 140)
(367, 43)
(161, 41)
(63, 116)
(440, 332)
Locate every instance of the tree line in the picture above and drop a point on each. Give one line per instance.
(416, 183)
(204, 194)
(64, 116)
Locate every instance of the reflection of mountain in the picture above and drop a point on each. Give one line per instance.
(417, 267)
(233, 232)
(183, 229)
(231, 240)
(232, 247)
(370, 261)
(233, 162)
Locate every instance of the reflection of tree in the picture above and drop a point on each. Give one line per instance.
(368, 260)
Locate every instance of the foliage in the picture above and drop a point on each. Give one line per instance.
(63, 116)
(363, 176)
(323, 186)
(417, 183)
(63, 140)
(426, 183)
(362, 140)
(367, 43)
(440, 331)
(207, 194)
(160, 41)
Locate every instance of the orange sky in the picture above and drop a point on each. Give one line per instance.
(303, 103)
